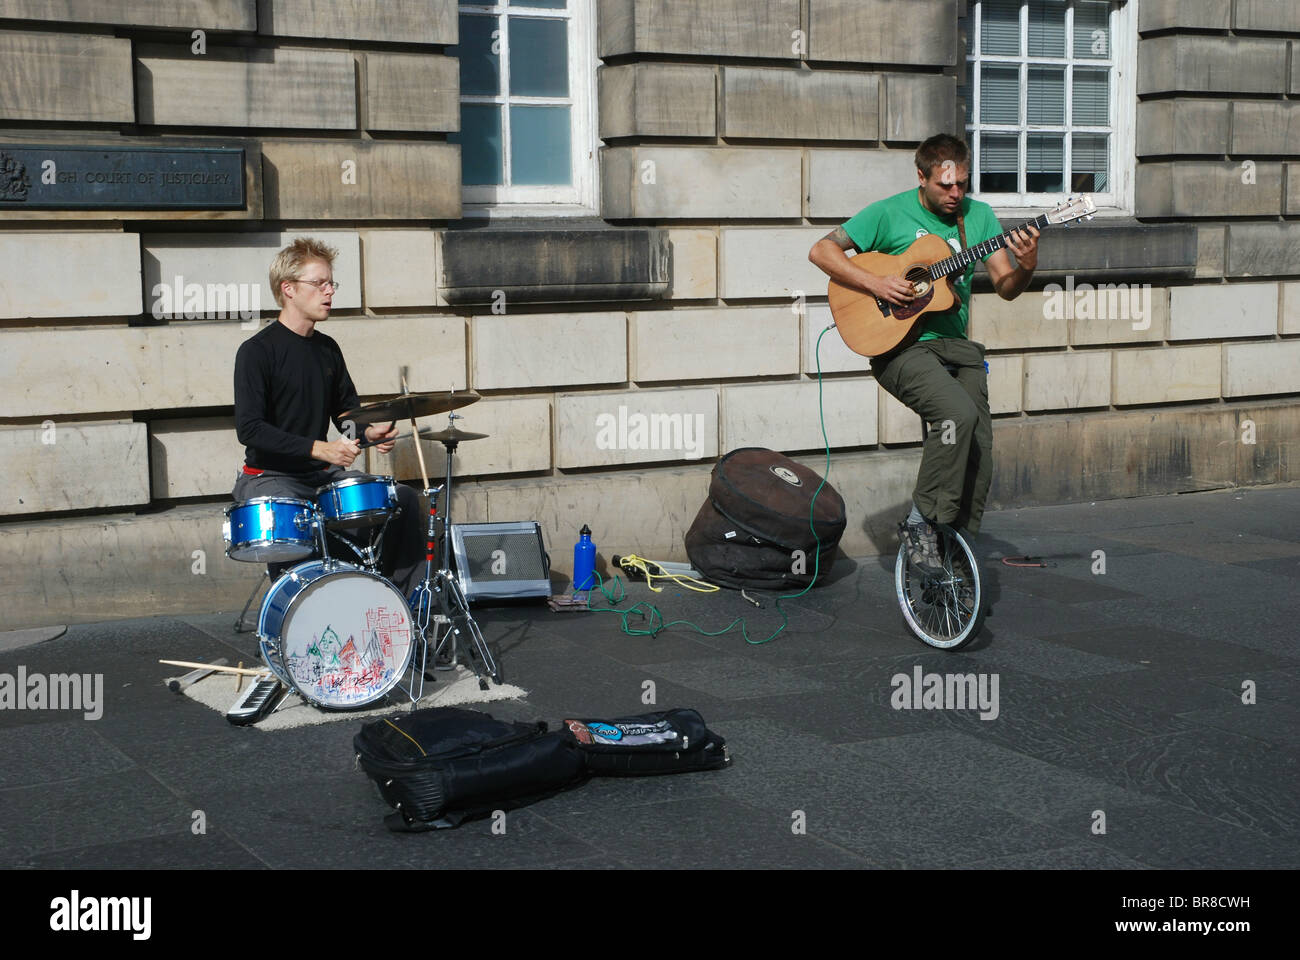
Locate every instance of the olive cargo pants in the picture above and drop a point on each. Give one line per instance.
(957, 460)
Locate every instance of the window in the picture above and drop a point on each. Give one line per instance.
(1050, 101)
(527, 130)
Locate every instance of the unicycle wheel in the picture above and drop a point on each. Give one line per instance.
(944, 610)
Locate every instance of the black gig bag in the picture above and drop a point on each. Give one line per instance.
(757, 516)
(440, 766)
(670, 741)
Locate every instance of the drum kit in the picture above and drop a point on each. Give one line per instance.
(336, 630)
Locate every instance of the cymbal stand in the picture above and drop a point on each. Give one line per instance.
(453, 620)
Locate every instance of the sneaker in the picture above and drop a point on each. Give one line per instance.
(922, 547)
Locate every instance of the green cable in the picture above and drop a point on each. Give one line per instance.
(650, 614)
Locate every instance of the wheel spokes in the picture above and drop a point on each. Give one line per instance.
(941, 608)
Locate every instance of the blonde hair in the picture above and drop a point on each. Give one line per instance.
(288, 263)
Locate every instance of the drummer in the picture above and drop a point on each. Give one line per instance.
(290, 381)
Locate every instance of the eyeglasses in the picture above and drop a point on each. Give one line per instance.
(322, 284)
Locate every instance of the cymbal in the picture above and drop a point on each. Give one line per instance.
(452, 435)
(410, 405)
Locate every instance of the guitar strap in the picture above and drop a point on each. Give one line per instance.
(961, 230)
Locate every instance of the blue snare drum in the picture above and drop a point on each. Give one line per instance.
(342, 636)
(358, 501)
(269, 530)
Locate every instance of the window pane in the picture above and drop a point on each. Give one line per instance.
(1091, 96)
(1047, 28)
(1000, 27)
(539, 145)
(1045, 96)
(480, 68)
(539, 57)
(547, 4)
(999, 162)
(1044, 163)
(999, 94)
(480, 143)
(1090, 161)
(1092, 30)
(969, 92)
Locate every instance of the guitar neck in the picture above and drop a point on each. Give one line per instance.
(961, 261)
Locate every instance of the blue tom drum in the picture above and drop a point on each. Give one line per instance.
(269, 530)
(358, 501)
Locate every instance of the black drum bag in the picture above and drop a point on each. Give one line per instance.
(668, 741)
(440, 766)
(756, 518)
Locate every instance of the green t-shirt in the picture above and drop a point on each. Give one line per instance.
(895, 223)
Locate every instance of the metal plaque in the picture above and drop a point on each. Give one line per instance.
(129, 178)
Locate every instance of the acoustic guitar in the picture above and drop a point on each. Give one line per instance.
(872, 326)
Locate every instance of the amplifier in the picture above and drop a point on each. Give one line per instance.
(498, 561)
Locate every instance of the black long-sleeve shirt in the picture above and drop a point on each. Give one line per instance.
(287, 389)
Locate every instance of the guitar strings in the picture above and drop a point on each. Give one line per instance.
(942, 268)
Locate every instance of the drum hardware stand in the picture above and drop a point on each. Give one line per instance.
(239, 623)
(453, 616)
(369, 554)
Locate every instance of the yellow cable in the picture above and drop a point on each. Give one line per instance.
(407, 736)
(633, 562)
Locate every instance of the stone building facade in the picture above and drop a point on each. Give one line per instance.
(709, 144)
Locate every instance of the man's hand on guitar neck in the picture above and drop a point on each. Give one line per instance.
(1011, 282)
(830, 255)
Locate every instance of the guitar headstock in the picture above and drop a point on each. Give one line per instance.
(1075, 208)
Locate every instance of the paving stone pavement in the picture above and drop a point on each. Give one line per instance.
(1120, 702)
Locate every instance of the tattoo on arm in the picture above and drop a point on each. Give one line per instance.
(840, 239)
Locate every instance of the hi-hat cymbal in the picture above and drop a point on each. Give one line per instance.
(451, 435)
(409, 406)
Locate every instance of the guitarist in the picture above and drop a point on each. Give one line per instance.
(957, 462)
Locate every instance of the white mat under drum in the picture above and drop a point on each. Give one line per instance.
(451, 689)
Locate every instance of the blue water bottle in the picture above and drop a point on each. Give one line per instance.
(584, 561)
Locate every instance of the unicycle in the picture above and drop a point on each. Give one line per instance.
(943, 610)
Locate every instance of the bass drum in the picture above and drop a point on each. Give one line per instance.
(340, 635)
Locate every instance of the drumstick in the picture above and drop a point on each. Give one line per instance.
(210, 666)
(372, 443)
(177, 684)
(419, 451)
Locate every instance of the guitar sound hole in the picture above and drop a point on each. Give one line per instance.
(919, 278)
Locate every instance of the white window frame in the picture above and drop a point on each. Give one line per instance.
(1119, 200)
(581, 197)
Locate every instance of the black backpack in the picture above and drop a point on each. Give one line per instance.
(440, 766)
(753, 531)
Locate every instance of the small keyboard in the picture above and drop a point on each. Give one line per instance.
(256, 702)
